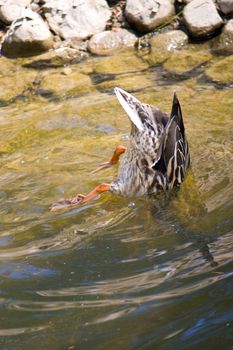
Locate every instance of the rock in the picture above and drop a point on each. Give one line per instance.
(182, 63)
(14, 79)
(226, 6)
(74, 43)
(22, 3)
(1, 35)
(27, 36)
(184, 1)
(79, 19)
(10, 12)
(35, 7)
(129, 82)
(201, 17)
(221, 71)
(162, 45)
(146, 15)
(223, 44)
(106, 42)
(123, 62)
(15, 87)
(56, 58)
(65, 84)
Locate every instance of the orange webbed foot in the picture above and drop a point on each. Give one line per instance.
(64, 203)
(80, 198)
(114, 160)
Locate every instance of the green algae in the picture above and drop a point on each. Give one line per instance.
(14, 79)
(183, 62)
(122, 62)
(65, 83)
(221, 71)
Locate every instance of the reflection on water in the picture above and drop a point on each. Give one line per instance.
(116, 273)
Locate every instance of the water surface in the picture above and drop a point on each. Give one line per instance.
(146, 273)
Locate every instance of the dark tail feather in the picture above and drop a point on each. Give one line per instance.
(177, 114)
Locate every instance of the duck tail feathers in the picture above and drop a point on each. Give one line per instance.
(129, 103)
(176, 114)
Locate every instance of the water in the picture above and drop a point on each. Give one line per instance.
(146, 273)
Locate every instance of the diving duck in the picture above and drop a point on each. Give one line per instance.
(157, 156)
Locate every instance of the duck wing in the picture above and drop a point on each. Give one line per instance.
(175, 148)
(174, 159)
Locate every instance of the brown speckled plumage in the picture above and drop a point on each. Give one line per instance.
(156, 158)
(157, 155)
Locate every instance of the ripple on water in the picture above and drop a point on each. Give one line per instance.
(116, 273)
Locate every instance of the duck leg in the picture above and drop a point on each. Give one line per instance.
(114, 160)
(80, 198)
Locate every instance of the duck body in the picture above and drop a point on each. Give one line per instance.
(157, 156)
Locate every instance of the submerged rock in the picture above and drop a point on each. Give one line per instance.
(129, 82)
(201, 17)
(27, 36)
(221, 71)
(79, 19)
(146, 15)
(162, 46)
(182, 63)
(106, 42)
(8, 67)
(56, 58)
(123, 62)
(14, 79)
(65, 84)
(224, 43)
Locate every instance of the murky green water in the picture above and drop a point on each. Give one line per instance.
(151, 273)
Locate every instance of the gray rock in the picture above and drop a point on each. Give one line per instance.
(223, 44)
(171, 40)
(73, 43)
(76, 18)
(27, 36)
(11, 10)
(162, 46)
(108, 41)
(184, 1)
(35, 7)
(22, 3)
(226, 6)
(201, 17)
(146, 15)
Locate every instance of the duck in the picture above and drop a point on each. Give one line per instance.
(157, 157)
